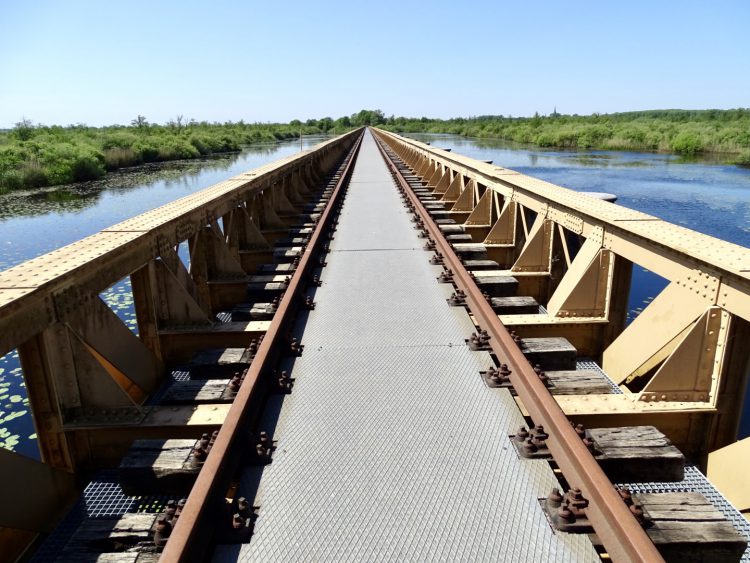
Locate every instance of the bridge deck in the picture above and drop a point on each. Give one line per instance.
(391, 446)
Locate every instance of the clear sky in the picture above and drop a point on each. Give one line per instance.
(101, 62)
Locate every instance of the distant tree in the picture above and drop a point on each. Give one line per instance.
(140, 122)
(295, 123)
(325, 124)
(177, 123)
(368, 117)
(24, 129)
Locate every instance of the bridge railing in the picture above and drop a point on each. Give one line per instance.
(86, 373)
(681, 363)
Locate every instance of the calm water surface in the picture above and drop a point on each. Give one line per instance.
(711, 198)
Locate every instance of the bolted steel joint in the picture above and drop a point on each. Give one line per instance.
(446, 276)
(284, 382)
(458, 298)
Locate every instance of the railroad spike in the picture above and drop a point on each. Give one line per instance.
(555, 498)
(162, 531)
(284, 382)
(457, 299)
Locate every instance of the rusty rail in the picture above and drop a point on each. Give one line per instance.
(188, 540)
(620, 533)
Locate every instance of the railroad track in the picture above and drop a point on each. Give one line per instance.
(621, 493)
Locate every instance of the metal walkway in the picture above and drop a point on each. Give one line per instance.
(391, 447)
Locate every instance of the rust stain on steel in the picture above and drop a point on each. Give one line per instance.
(183, 544)
(620, 533)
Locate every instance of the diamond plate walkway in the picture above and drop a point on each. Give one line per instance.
(390, 446)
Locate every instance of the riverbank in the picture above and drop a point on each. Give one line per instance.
(36, 156)
(685, 132)
(39, 156)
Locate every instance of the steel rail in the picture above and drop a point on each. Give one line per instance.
(619, 531)
(213, 481)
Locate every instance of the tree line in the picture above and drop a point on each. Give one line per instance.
(35, 155)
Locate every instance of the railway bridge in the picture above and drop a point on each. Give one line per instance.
(380, 350)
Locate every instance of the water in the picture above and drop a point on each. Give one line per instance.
(35, 222)
(702, 195)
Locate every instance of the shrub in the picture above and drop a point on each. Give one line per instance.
(87, 167)
(32, 176)
(146, 151)
(116, 157)
(687, 142)
(10, 180)
(176, 149)
(199, 144)
(545, 140)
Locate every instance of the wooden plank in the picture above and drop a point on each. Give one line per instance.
(452, 229)
(470, 251)
(637, 453)
(441, 214)
(222, 357)
(479, 265)
(221, 363)
(198, 391)
(578, 382)
(180, 344)
(498, 286)
(97, 536)
(253, 312)
(292, 241)
(125, 557)
(458, 238)
(514, 305)
(158, 467)
(686, 527)
(254, 288)
(551, 353)
(276, 269)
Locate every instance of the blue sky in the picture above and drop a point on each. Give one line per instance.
(69, 61)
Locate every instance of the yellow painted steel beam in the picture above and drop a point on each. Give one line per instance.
(727, 470)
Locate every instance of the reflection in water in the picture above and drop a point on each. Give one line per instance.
(174, 175)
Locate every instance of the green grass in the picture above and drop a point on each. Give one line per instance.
(685, 132)
(35, 156)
